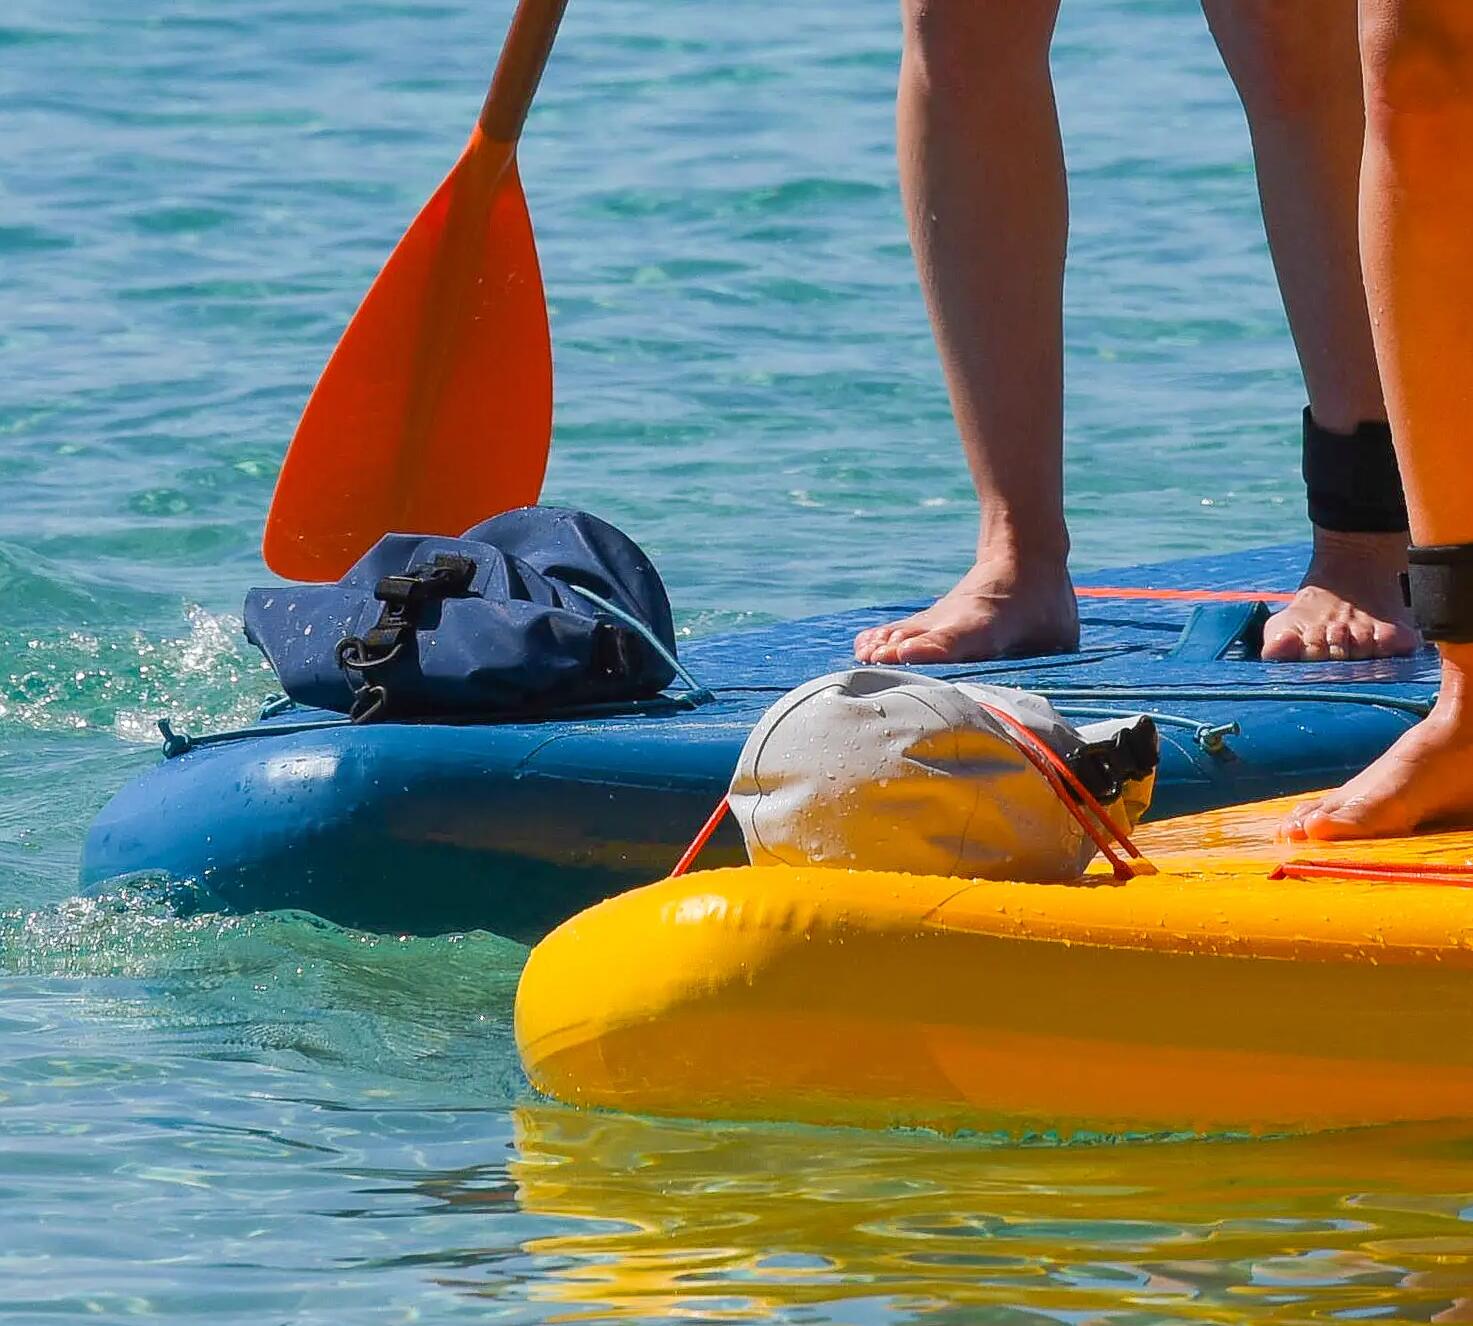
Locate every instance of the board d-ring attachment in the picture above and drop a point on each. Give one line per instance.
(175, 743)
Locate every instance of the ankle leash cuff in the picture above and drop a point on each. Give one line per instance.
(1352, 481)
(1438, 587)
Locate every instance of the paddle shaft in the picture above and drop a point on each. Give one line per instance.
(523, 58)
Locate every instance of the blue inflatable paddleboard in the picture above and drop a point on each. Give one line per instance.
(429, 827)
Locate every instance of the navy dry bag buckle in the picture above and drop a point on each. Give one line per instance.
(404, 598)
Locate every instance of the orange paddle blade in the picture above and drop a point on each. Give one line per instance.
(435, 410)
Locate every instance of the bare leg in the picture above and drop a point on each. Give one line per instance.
(1417, 242)
(982, 169)
(1297, 69)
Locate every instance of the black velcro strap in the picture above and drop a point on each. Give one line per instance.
(1438, 587)
(1351, 479)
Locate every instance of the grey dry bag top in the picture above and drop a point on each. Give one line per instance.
(879, 769)
(489, 624)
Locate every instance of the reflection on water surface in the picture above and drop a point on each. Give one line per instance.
(661, 1221)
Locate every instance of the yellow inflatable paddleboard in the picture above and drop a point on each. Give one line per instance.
(1209, 997)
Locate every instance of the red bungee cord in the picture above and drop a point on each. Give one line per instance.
(1076, 797)
(1453, 874)
(688, 857)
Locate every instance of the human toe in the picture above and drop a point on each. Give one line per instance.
(1338, 638)
(1394, 640)
(1332, 822)
(927, 647)
(1341, 814)
(1362, 636)
(1282, 642)
(891, 648)
(868, 643)
(1292, 829)
(1316, 645)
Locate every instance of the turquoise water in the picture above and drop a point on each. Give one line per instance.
(268, 1119)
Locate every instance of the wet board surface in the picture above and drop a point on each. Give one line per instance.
(513, 827)
(1217, 995)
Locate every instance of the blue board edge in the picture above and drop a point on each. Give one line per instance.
(430, 827)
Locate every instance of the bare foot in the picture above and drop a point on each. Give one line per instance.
(1425, 779)
(995, 611)
(1349, 605)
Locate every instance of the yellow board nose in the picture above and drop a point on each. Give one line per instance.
(1205, 998)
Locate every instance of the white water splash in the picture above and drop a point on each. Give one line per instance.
(124, 682)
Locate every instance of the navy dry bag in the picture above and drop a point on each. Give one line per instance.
(488, 624)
